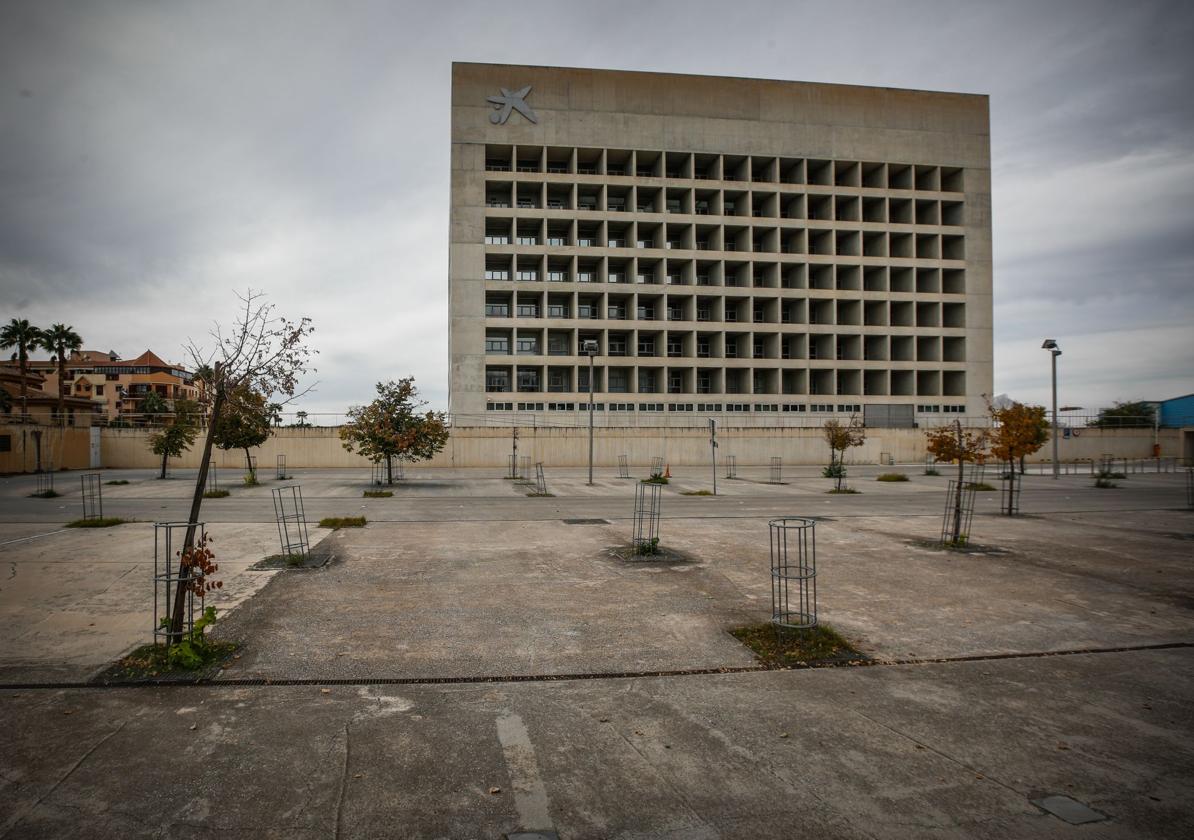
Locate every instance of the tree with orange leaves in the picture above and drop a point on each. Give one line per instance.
(1019, 430)
(392, 427)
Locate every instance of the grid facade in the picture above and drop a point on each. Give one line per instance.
(716, 281)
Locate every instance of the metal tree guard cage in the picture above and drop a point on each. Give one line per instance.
(512, 466)
(540, 482)
(1189, 487)
(93, 496)
(169, 539)
(793, 567)
(777, 469)
(657, 465)
(281, 474)
(45, 483)
(731, 466)
(252, 468)
(292, 521)
(398, 472)
(623, 467)
(524, 469)
(960, 508)
(378, 474)
(647, 497)
(213, 481)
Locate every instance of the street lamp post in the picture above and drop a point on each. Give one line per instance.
(590, 348)
(1052, 347)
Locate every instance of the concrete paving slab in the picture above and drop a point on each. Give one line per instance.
(74, 600)
(954, 749)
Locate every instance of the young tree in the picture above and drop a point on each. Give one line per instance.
(262, 352)
(177, 437)
(22, 335)
(1019, 430)
(391, 427)
(153, 406)
(244, 423)
(1135, 414)
(840, 437)
(300, 418)
(953, 443)
(60, 340)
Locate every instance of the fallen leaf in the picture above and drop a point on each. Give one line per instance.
(325, 691)
(495, 790)
(193, 726)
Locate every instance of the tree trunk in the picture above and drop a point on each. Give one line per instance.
(164, 457)
(24, 361)
(389, 469)
(177, 615)
(249, 466)
(61, 385)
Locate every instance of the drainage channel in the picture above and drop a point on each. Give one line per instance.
(236, 682)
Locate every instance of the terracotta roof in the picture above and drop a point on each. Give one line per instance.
(148, 358)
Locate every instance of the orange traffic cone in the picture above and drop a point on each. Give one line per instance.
(667, 471)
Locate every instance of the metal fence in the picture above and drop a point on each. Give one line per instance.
(793, 572)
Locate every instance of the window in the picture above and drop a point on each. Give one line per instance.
(499, 406)
(675, 347)
(526, 239)
(928, 409)
(99, 390)
(557, 381)
(849, 407)
(528, 310)
(497, 239)
(497, 344)
(556, 276)
(586, 310)
(5, 443)
(497, 310)
(528, 380)
(558, 239)
(702, 348)
(528, 346)
(954, 409)
(616, 346)
(617, 312)
(557, 310)
(497, 380)
(675, 383)
(528, 274)
(794, 407)
(585, 276)
(557, 345)
(646, 312)
(646, 347)
(618, 381)
(497, 274)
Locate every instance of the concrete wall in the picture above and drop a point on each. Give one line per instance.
(60, 447)
(489, 447)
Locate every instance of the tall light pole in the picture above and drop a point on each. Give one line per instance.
(590, 348)
(1052, 347)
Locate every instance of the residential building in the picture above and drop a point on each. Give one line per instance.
(118, 387)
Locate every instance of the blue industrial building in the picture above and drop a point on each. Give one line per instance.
(1176, 412)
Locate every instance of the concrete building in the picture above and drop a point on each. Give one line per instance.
(732, 246)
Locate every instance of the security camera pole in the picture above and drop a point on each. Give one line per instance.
(590, 348)
(1052, 347)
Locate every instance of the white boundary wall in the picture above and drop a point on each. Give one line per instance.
(568, 447)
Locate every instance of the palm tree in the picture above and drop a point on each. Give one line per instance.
(19, 333)
(61, 339)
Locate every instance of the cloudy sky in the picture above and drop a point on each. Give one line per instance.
(155, 157)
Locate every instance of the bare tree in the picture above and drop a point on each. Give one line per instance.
(263, 353)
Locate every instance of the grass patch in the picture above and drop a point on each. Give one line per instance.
(542, 495)
(337, 522)
(46, 494)
(1104, 482)
(834, 471)
(105, 522)
(155, 662)
(252, 481)
(845, 491)
(216, 494)
(697, 493)
(980, 486)
(796, 648)
(378, 494)
(932, 471)
(892, 477)
(655, 479)
(116, 482)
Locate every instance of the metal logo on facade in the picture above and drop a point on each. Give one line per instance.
(508, 102)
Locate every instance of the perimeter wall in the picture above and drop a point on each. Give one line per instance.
(568, 447)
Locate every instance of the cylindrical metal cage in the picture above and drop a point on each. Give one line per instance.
(647, 496)
(731, 466)
(213, 479)
(540, 481)
(92, 495)
(292, 521)
(793, 573)
(623, 467)
(281, 473)
(169, 542)
(777, 469)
